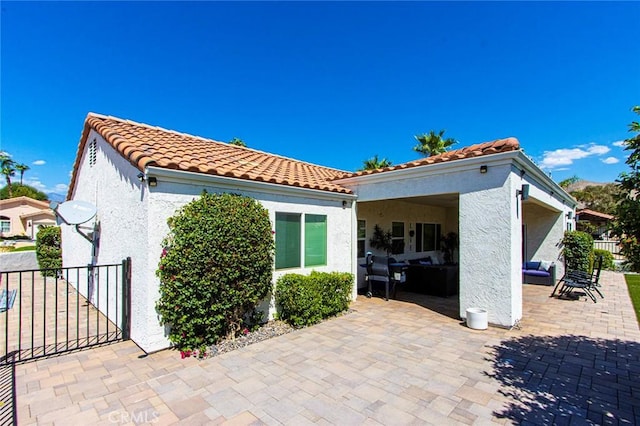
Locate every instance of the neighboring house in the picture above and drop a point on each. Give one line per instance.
(24, 216)
(597, 224)
(139, 175)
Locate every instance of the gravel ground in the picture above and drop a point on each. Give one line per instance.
(266, 331)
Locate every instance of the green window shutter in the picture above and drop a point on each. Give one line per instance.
(315, 240)
(288, 237)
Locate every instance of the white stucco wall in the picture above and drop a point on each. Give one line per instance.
(170, 195)
(111, 184)
(133, 220)
(19, 261)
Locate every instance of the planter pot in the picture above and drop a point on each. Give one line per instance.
(477, 318)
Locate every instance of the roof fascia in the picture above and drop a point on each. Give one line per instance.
(531, 169)
(28, 200)
(180, 176)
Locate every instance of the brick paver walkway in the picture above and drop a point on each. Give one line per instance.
(396, 362)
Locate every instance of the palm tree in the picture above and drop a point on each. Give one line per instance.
(237, 142)
(375, 163)
(7, 166)
(22, 168)
(433, 144)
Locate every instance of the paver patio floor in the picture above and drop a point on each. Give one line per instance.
(396, 362)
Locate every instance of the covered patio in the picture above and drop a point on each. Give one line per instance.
(501, 206)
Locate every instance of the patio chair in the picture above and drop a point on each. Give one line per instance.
(377, 270)
(583, 281)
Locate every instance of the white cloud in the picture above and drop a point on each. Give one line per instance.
(566, 156)
(39, 163)
(598, 149)
(619, 144)
(60, 188)
(610, 160)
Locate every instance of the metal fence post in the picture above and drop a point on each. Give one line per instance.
(126, 298)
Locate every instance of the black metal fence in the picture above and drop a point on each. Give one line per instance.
(44, 312)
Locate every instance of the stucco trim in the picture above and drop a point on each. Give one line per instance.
(531, 169)
(195, 178)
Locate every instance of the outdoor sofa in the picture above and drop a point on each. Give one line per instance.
(539, 272)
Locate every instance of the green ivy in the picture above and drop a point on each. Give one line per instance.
(216, 267)
(578, 251)
(49, 250)
(306, 300)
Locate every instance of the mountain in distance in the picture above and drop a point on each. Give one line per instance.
(582, 184)
(56, 197)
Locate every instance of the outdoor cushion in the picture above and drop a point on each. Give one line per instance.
(531, 265)
(545, 265)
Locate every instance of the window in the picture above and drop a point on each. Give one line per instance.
(397, 237)
(315, 240)
(428, 236)
(5, 224)
(289, 240)
(362, 237)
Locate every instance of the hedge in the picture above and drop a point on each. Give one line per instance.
(49, 250)
(578, 251)
(305, 300)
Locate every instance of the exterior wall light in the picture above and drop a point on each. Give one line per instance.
(141, 177)
(569, 215)
(524, 192)
(153, 181)
(483, 168)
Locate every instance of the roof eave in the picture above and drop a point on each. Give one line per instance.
(181, 176)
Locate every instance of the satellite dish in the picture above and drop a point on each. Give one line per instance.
(75, 212)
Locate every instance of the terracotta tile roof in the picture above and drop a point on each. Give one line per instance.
(145, 145)
(477, 150)
(595, 214)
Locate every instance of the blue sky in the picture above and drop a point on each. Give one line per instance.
(329, 83)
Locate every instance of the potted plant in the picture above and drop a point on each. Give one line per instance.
(449, 244)
(381, 240)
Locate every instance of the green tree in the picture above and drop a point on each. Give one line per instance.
(601, 198)
(432, 143)
(22, 168)
(237, 142)
(7, 167)
(18, 190)
(564, 184)
(627, 223)
(374, 163)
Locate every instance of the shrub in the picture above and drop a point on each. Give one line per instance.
(578, 251)
(49, 250)
(216, 267)
(607, 258)
(306, 300)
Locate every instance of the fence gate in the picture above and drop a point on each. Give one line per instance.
(45, 312)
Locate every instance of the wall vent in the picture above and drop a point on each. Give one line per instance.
(92, 152)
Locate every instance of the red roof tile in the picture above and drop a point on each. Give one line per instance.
(481, 149)
(145, 145)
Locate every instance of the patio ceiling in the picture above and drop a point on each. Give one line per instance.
(440, 200)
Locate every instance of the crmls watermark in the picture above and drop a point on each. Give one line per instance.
(137, 417)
